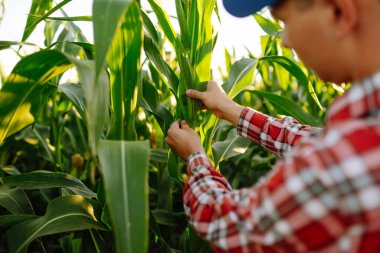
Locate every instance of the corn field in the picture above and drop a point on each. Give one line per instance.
(83, 164)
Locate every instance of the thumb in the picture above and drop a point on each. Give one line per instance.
(184, 124)
(195, 94)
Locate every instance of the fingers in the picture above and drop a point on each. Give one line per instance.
(184, 124)
(195, 94)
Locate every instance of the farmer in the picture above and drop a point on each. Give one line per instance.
(324, 193)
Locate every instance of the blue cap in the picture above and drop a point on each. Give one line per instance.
(243, 8)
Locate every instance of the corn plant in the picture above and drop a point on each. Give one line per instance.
(84, 166)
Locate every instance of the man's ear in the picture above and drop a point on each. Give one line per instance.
(346, 16)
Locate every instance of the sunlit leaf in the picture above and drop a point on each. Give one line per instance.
(106, 16)
(22, 92)
(125, 71)
(241, 75)
(269, 26)
(163, 19)
(38, 8)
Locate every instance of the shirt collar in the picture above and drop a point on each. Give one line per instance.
(360, 101)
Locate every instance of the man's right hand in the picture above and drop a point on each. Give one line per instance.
(216, 100)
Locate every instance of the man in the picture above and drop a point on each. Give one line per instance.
(324, 194)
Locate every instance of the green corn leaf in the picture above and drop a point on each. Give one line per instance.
(74, 93)
(155, 57)
(10, 220)
(182, 20)
(106, 17)
(99, 243)
(38, 8)
(288, 107)
(75, 30)
(45, 179)
(173, 167)
(167, 218)
(36, 21)
(297, 72)
(268, 26)
(163, 20)
(186, 82)
(202, 39)
(64, 214)
(125, 71)
(159, 155)
(15, 200)
(241, 75)
(97, 98)
(8, 44)
(149, 27)
(125, 172)
(21, 94)
(234, 145)
(151, 103)
(77, 18)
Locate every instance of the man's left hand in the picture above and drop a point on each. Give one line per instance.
(183, 140)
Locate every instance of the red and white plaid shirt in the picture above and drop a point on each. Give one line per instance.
(323, 196)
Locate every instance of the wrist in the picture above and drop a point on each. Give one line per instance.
(195, 150)
(232, 111)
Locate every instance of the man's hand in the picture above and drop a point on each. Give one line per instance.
(216, 100)
(183, 140)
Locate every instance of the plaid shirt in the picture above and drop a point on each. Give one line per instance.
(323, 196)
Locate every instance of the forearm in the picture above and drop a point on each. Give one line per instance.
(276, 135)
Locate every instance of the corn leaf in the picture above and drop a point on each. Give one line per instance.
(232, 146)
(106, 17)
(153, 54)
(15, 201)
(125, 71)
(97, 97)
(77, 18)
(10, 220)
(74, 93)
(268, 26)
(151, 103)
(38, 8)
(173, 167)
(163, 20)
(240, 77)
(21, 94)
(64, 214)
(182, 20)
(125, 169)
(288, 107)
(8, 44)
(297, 72)
(149, 27)
(45, 179)
(201, 38)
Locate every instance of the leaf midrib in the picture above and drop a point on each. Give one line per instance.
(46, 224)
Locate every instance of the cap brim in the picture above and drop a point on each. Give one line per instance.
(244, 8)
